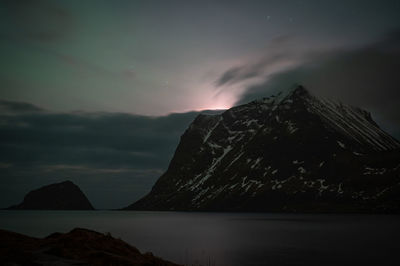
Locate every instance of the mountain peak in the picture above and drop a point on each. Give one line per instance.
(294, 89)
(295, 92)
(288, 152)
(299, 90)
(353, 123)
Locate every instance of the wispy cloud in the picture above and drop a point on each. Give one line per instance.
(365, 76)
(279, 53)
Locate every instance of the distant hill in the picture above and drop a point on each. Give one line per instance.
(290, 152)
(60, 196)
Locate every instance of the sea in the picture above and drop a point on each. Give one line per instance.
(232, 239)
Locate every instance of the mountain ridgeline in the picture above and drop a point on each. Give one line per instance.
(292, 152)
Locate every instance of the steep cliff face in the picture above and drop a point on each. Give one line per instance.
(289, 152)
(61, 196)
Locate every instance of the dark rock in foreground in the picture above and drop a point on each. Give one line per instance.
(292, 152)
(61, 196)
(78, 247)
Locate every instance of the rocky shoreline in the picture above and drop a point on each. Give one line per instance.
(77, 247)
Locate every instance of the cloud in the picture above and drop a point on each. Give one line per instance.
(12, 107)
(278, 54)
(230, 76)
(107, 139)
(101, 151)
(365, 76)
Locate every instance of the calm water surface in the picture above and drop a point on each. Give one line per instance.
(232, 239)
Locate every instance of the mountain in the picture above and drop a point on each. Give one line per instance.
(60, 196)
(290, 152)
(78, 247)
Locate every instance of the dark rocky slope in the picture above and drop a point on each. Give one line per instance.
(78, 247)
(61, 196)
(290, 152)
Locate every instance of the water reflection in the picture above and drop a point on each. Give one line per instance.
(232, 239)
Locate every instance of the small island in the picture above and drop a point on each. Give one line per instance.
(59, 196)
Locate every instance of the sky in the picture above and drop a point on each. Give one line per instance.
(99, 92)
